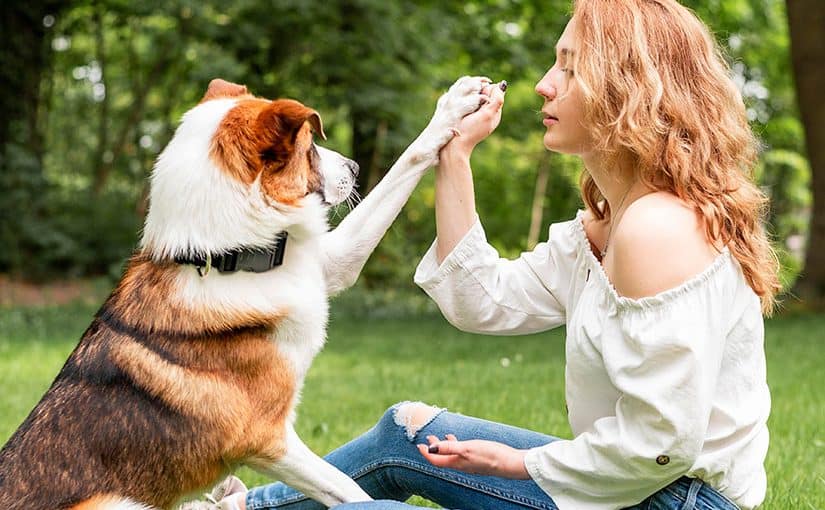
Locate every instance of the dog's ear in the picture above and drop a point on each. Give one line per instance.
(317, 125)
(222, 88)
(283, 118)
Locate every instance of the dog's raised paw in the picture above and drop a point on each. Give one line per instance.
(464, 97)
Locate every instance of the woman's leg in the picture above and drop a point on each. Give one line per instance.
(387, 465)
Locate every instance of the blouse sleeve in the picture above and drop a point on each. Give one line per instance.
(477, 291)
(663, 358)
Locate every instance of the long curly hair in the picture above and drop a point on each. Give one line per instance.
(656, 88)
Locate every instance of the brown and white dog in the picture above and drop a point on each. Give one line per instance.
(192, 366)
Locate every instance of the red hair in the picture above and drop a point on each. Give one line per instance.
(657, 88)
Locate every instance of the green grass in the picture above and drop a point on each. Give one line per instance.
(369, 364)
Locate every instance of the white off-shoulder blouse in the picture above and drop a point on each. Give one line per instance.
(657, 388)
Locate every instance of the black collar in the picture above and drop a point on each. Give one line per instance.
(255, 260)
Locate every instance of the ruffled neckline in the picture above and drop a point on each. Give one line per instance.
(666, 296)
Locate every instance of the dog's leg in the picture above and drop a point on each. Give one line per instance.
(302, 469)
(347, 248)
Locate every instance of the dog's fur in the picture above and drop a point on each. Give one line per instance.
(181, 377)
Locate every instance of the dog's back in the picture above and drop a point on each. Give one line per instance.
(93, 432)
(145, 412)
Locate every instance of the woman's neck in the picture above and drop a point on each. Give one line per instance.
(616, 178)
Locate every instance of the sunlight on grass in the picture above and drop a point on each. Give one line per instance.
(368, 365)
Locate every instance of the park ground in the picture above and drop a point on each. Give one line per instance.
(378, 354)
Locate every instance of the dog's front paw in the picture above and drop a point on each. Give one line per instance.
(464, 97)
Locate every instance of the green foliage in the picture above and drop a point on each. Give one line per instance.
(120, 74)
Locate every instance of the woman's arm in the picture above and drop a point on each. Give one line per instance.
(476, 289)
(455, 209)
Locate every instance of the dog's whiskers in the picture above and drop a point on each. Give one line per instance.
(353, 199)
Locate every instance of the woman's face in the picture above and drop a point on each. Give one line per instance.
(563, 106)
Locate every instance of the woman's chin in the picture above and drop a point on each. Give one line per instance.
(552, 144)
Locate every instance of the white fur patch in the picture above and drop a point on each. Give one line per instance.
(127, 505)
(338, 177)
(196, 207)
(117, 503)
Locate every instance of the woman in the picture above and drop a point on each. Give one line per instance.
(661, 281)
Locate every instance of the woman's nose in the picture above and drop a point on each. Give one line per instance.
(546, 89)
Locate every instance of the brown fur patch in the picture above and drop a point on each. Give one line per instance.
(273, 140)
(147, 296)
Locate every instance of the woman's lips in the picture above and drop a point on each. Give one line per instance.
(549, 120)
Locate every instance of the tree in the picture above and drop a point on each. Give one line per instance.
(24, 59)
(806, 19)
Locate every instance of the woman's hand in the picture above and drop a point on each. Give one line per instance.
(478, 125)
(476, 456)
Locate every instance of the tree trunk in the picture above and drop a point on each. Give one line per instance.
(101, 172)
(140, 94)
(538, 199)
(364, 137)
(806, 20)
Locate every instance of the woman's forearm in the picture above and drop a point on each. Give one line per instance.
(455, 206)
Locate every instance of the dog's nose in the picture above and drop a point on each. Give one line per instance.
(353, 167)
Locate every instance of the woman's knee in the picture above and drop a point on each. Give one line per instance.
(410, 417)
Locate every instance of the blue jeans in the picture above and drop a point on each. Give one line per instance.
(385, 462)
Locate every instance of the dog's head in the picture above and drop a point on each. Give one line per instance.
(240, 170)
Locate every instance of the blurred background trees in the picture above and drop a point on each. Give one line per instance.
(93, 90)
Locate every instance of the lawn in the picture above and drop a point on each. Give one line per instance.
(370, 363)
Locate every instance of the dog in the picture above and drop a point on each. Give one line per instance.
(195, 362)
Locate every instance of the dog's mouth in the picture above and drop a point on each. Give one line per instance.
(338, 177)
(343, 190)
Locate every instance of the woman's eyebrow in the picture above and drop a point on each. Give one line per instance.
(564, 51)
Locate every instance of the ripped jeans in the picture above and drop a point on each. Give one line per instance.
(385, 462)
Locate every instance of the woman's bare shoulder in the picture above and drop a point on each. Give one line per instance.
(659, 243)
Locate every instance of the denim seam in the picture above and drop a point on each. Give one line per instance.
(458, 479)
(693, 491)
(670, 490)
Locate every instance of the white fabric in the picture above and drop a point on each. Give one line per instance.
(680, 374)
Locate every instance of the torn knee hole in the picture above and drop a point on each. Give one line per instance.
(413, 416)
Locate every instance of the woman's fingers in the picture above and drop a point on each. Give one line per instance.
(497, 96)
(449, 446)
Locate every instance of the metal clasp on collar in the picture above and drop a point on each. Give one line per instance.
(204, 270)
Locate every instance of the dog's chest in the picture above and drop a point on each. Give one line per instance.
(300, 293)
(302, 333)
